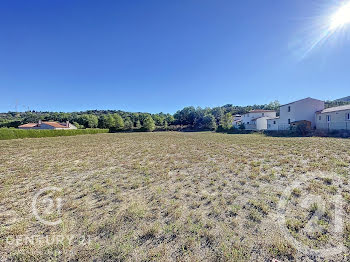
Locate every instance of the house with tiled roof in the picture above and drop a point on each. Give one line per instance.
(257, 119)
(237, 119)
(300, 111)
(48, 125)
(334, 118)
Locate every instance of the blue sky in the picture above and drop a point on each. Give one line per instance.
(154, 56)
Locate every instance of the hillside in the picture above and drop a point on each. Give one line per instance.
(344, 99)
(338, 102)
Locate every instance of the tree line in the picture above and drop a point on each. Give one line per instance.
(192, 118)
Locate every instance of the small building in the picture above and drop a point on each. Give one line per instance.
(301, 110)
(272, 123)
(334, 118)
(257, 119)
(305, 123)
(237, 119)
(48, 125)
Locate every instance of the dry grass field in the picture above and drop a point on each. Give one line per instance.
(171, 197)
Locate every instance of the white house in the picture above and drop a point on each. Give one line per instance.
(237, 121)
(334, 118)
(48, 125)
(272, 123)
(301, 110)
(257, 119)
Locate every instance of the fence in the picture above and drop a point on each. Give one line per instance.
(334, 126)
(283, 127)
(250, 127)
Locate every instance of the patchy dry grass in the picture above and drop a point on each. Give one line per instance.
(168, 196)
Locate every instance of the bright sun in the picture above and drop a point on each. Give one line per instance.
(341, 17)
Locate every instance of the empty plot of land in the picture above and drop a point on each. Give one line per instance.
(171, 197)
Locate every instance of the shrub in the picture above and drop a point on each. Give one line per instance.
(300, 130)
(12, 133)
(77, 125)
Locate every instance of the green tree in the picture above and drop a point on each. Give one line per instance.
(128, 124)
(185, 116)
(31, 118)
(88, 121)
(275, 105)
(148, 124)
(227, 121)
(158, 119)
(111, 122)
(119, 122)
(93, 121)
(218, 113)
(138, 124)
(169, 119)
(106, 121)
(102, 121)
(209, 122)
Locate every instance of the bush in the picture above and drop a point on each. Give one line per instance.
(221, 129)
(77, 125)
(13, 133)
(300, 130)
(242, 126)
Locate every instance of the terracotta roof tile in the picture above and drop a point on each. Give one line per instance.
(55, 124)
(29, 125)
(260, 111)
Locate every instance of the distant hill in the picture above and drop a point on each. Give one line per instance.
(344, 99)
(338, 102)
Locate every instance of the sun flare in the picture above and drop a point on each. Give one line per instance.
(340, 18)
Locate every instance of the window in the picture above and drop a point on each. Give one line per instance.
(263, 114)
(348, 117)
(288, 121)
(274, 122)
(247, 123)
(288, 108)
(320, 118)
(329, 118)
